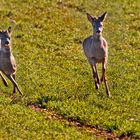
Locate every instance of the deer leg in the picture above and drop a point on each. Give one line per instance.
(95, 75)
(14, 87)
(107, 88)
(98, 81)
(104, 78)
(4, 80)
(14, 82)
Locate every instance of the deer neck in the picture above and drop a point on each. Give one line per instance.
(97, 37)
(6, 51)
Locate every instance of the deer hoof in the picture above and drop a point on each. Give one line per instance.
(21, 94)
(97, 86)
(6, 84)
(108, 93)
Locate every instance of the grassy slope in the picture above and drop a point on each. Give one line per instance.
(20, 122)
(52, 66)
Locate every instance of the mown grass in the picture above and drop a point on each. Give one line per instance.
(47, 44)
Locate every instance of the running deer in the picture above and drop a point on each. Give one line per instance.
(96, 50)
(7, 60)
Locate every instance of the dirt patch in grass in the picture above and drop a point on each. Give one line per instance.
(88, 128)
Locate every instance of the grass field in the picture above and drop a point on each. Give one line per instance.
(54, 74)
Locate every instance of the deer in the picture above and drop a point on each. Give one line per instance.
(96, 50)
(7, 60)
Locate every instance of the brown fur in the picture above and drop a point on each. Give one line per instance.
(7, 60)
(96, 50)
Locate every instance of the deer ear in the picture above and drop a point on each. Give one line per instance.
(9, 30)
(102, 17)
(90, 18)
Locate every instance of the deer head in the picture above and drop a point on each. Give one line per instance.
(97, 23)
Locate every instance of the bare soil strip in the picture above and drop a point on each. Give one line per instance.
(88, 128)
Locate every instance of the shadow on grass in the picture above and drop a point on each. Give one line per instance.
(129, 134)
(41, 105)
(41, 102)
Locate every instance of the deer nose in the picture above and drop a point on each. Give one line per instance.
(6, 42)
(98, 31)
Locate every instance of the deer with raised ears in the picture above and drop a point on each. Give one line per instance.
(7, 60)
(96, 50)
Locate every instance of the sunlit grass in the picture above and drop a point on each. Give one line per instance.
(47, 44)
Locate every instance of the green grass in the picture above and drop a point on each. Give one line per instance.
(20, 122)
(47, 44)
